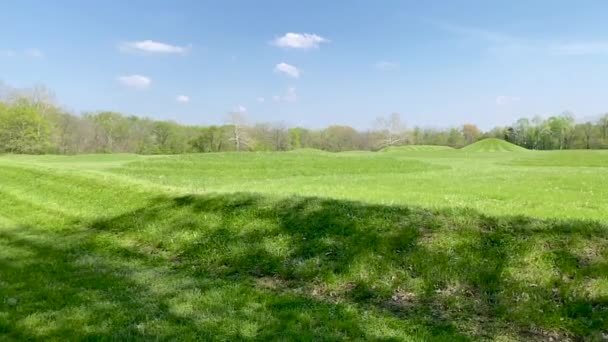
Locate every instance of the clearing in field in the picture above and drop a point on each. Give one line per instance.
(409, 245)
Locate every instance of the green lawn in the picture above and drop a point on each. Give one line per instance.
(404, 244)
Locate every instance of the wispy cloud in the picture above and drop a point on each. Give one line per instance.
(476, 33)
(135, 81)
(28, 53)
(153, 47)
(288, 70)
(300, 41)
(182, 99)
(261, 99)
(504, 100)
(499, 42)
(33, 53)
(386, 66)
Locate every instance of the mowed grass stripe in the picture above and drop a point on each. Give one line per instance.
(69, 192)
(493, 145)
(24, 213)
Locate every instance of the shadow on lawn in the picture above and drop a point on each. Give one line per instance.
(243, 266)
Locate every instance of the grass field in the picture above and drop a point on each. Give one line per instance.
(490, 243)
(493, 145)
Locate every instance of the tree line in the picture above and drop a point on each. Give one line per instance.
(31, 123)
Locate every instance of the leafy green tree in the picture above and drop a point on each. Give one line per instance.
(455, 138)
(496, 132)
(111, 131)
(69, 133)
(470, 133)
(311, 138)
(417, 136)
(23, 129)
(209, 139)
(295, 137)
(523, 133)
(584, 135)
(261, 135)
(169, 138)
(561, 128)
(339, 138)
(281, 140)
(603, 122)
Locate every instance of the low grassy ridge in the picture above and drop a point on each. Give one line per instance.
(413, 246)
(493, 145)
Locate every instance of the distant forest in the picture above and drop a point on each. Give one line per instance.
(31, 123)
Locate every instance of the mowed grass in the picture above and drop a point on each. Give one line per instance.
(493, 145)
(412, 148)
(496, 183)
(403, 245)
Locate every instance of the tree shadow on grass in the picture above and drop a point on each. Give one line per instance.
(81, 292)
(249, 267)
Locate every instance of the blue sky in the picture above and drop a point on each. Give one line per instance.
(313, 63)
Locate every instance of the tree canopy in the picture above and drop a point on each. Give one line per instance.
(31, 123)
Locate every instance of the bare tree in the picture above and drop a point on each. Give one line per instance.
(42, 98)
(588, 134)
(39, 96)
(239, 130)
(280, 136)
(392, 130)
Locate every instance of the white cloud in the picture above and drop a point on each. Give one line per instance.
(30, 53)
(261, 100)
(503, 100)
(276, 98)
(288, 70)
(300, 41)
(386, 65)
(135, 81)
(150, 46)
(182, 99)
(240, 109)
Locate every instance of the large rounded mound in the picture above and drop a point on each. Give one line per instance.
(410, 148)
(493, 145)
